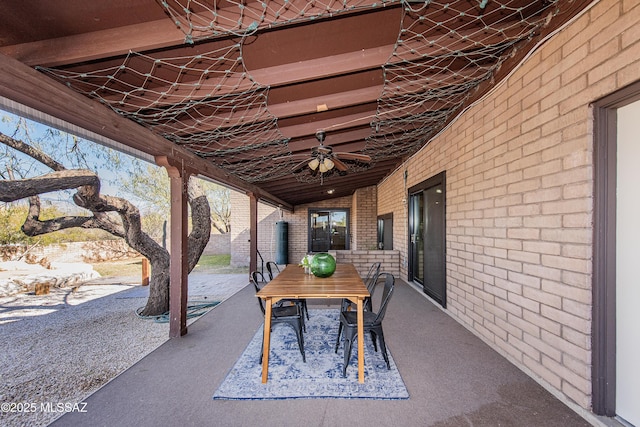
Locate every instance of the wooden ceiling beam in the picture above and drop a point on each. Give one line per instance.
(26, 86)
(140, 37)
(229, 119)
(329, 125)
(96, 45)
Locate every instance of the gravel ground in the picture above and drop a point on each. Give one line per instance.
(60, 348)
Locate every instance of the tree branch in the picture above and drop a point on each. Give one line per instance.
(11, 191)
(33, 226)
(31, 152)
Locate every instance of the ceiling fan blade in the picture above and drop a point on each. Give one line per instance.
(339, 164)
(324, 149)
(353, 156)
(301, 164)
(292, 157)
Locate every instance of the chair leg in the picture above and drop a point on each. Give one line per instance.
(300, 339)
(383, 348)
(338, 339)
(348, 343)
(306, 310)
(373, 339)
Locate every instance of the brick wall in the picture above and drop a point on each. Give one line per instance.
(519, 194)
(94, 251)
(362, 208)
(219, 244)
(362, 260)
(239, 229)
(364, 219)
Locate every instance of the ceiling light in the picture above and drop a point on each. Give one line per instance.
(330, 191)
(328, 164)
(313, 164)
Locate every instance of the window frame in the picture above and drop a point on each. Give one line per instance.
(312, 211)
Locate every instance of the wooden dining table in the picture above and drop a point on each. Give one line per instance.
(294, 283)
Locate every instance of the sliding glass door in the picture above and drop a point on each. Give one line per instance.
(427, 237)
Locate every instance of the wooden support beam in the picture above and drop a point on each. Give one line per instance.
(28, 87)
(179, 282)
(253, 232)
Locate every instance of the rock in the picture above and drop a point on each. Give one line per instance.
(18, 276)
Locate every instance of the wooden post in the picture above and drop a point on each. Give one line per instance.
(253, 232)
(178, 287)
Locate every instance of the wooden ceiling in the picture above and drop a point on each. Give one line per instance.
(245, 86)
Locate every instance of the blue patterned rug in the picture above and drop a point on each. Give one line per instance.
(320, 376)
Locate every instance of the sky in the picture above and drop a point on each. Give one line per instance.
(37, 131)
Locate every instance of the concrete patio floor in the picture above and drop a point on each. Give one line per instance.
(453, 378)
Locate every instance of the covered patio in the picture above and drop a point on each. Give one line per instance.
(503, 111)
(452, 377)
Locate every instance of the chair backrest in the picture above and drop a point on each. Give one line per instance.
(258, 278)
(372, 276)
(257, 284)
(272, 268)
(389, 285)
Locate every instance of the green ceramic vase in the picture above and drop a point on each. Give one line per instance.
(323, 265)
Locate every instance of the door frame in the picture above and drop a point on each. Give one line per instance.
(437, 179)
(603, 336)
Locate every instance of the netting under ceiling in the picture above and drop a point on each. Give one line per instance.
(208, 102)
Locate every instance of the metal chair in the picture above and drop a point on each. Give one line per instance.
(369, 281)
(372, 323)
(287, 314)
(272, 268)
(258, 278)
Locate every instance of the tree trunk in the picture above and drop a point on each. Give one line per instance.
(129, 227)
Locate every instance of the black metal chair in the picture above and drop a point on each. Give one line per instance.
(272, 268)
(369, 281)
(372, 323)
(287, 314)
(258, 278)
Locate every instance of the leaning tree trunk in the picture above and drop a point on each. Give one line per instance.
(160, 278)
(129, 227)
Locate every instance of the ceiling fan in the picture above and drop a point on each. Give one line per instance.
(323, 158)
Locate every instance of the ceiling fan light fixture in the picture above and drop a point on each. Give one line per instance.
(328, 164)
(313, 164)
(323, 168)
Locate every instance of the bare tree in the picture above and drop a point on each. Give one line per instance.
(150, 185)
(113, 214)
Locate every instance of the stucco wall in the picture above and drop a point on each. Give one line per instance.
(519, 188)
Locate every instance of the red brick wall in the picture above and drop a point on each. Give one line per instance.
(519, 177)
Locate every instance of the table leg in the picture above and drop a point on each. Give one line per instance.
(266, 340)
(360, 316)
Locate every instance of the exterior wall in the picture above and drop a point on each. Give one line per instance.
(219, 244)
(94, 251)
(519, 178)
(363, 228)
(239, 229)
(239, 234)
(362, 260)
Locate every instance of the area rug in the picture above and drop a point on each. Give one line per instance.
(320, 376)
